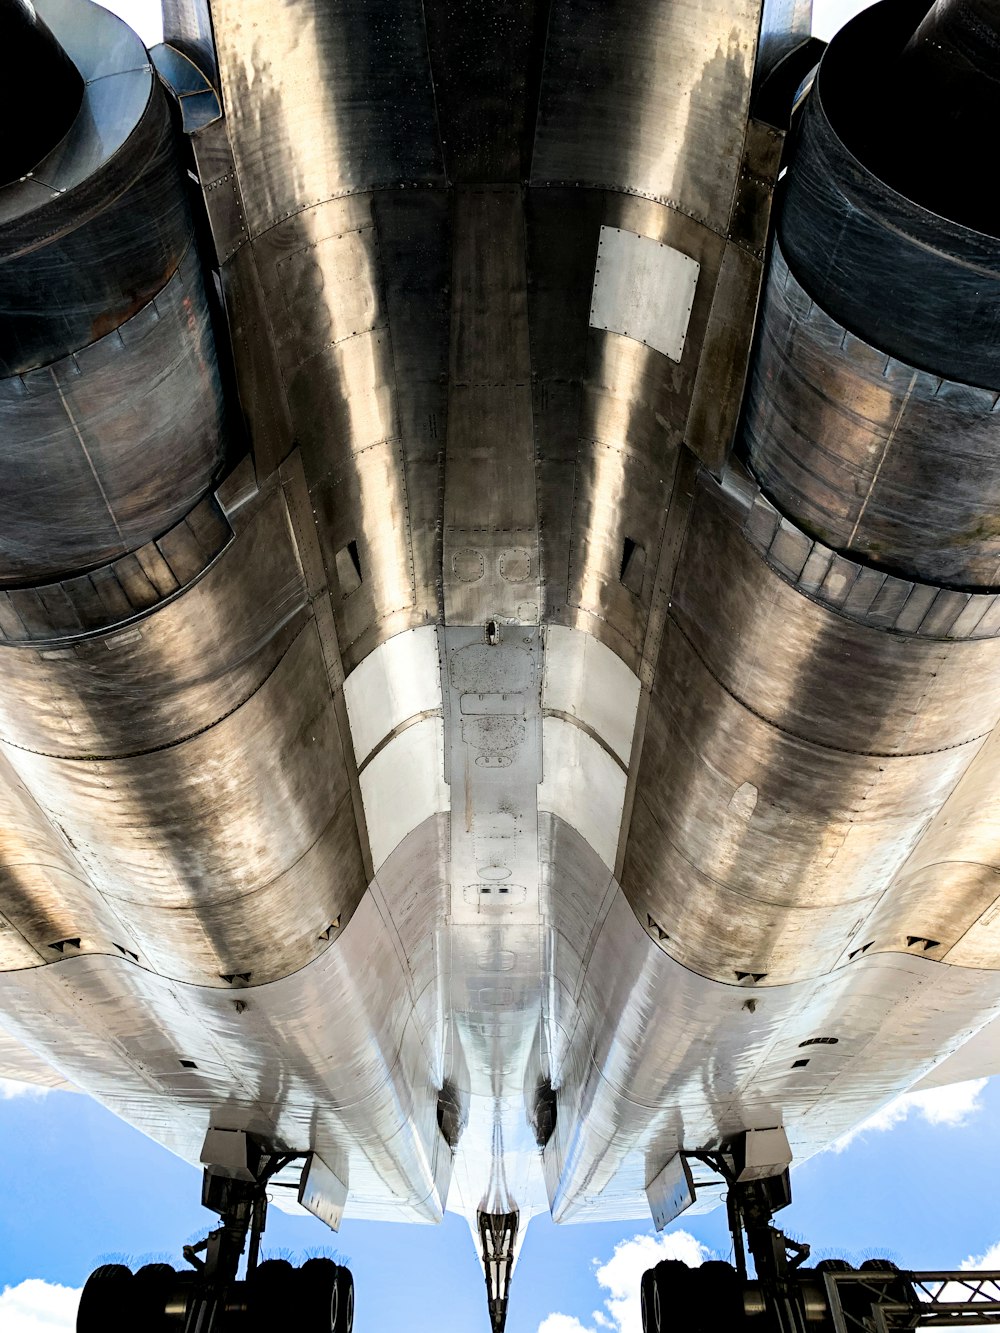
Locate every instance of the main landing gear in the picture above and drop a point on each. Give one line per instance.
(786, 1296)
(318, 1297)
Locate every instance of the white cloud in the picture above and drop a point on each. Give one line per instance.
(989, 1260)
(34, 1306)
(953, 1106)
(561, 1323)
(620, 1277)
(10, 1088)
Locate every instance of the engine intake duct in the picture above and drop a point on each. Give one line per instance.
(924, 123)
(40, 89)
(872, 414)
(111, 399)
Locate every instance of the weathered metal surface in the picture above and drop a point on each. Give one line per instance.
(913, 281)
(103, 222)
(893, 465)
(109, 447)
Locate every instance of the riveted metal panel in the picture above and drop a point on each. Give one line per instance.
(617, 498)
(876, 458)
(490, 505)
(367, 503)
(474, 453)
(403, 785)
(400, 680)
(644, 290)
(109, 448)
(612, 115)
(758, 635)
(324, 101)
(845, 774)
(585, 680)
(113, 223)
(628, 1099)
(213, 156)
(340, 1037)
(190, 662)
(196, 857)
(583, 785)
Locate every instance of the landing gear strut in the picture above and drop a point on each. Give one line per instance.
(785, 1296)
(209, 1297)
(497, 1236)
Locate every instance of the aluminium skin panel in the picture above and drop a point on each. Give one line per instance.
(328, 820)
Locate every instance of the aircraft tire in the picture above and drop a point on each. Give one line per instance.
(345, 1316)
(717, 1297)
(646, 1301)
(272, 1294)
(673, 1296)
(107, 1302)
(319, 1296)
(152, 1287)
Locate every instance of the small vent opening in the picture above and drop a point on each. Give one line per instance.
(819, 1041)
(127, 953)
(544, 1112)
(236, 978)
(188, 1064)
(856, 953)
(656, 929)
(923, 941)
(799, 1064)
(452, 1112)
(633, 566)
(752, 977)
(61, 946)
(349, 574)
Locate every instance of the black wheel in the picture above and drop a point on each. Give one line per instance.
(152, 1288)
(272, 1289)
(345, 1311)
(672, 1296)
(319, 1296)
(646, 1301)
(106, 1302)
(717, 1297)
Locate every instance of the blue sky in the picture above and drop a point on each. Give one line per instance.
(82, 1187)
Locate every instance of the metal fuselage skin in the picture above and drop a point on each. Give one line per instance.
(423, 739)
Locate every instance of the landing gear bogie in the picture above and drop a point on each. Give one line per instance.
(785, 1296)
(158, 1299)
(209, 1297)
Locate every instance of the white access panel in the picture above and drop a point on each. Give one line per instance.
(403, 785)
(586, 680)
(399, 680)
(583, 785)
(643, 289)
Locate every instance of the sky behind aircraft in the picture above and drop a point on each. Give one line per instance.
(919, 1185)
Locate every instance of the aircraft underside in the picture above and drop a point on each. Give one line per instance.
(499, 614)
